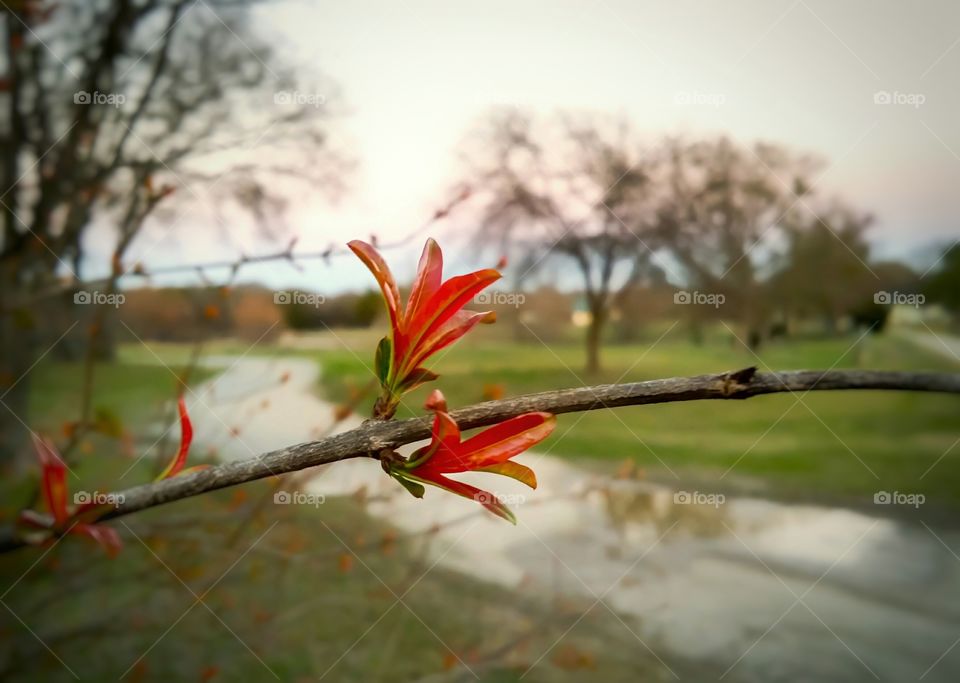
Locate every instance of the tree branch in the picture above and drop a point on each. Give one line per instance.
(372, 437)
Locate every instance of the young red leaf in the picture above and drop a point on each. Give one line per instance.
(381, 273)
(431, 320)
(489, 451)
(107, 538)
(453, 295)
(55, 493)
(54, 479)
(428, 280)
(186, 437)
(505, 440)
(485, 498)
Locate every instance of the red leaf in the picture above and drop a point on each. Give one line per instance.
(453, 295)
(485, 498)
(54, 473)
(381, 273)
(107, 537)
(507, 439)
(457, 326)
(428, 280)
(489, 451)
(436, 401)
(186, 437)
(431, 320)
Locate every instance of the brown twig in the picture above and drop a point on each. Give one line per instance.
(372, 437)
(234, 265)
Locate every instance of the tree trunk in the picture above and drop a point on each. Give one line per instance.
(697, 335)
(14, 406)
(598, 318)
(17, 341)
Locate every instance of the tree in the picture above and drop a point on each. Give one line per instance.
(943, 284)
(108, 108)
(577, 188)
(725, 206)
(826, 273)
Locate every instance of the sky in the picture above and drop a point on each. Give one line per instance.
(869, 86)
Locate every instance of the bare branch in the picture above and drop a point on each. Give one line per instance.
(372, 437)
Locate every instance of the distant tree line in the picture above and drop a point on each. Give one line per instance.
(743, 229)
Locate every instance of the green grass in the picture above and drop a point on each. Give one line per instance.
(832, 446)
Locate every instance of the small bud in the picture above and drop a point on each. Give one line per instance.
(436, 401)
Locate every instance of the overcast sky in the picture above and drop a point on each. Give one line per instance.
(416, 76)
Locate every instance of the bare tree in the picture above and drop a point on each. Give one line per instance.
(725, 206)
(111, 110)
(578, 188)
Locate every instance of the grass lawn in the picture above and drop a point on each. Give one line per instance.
(840, 447)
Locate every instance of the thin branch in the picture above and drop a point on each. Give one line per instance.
(372, 437)
(234, 265)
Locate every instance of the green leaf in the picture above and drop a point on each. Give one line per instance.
(415, 489)
(382, 362)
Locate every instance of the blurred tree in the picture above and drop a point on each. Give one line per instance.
(316, 312)
(162, 314)
(826, 272)
(107, 109)
(639, 304)
(541, 315)
(724, 208)
(254, 316)
(943, 285)
(580, 188)
(369, 307)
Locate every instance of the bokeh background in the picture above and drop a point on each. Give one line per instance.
(675, 189)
